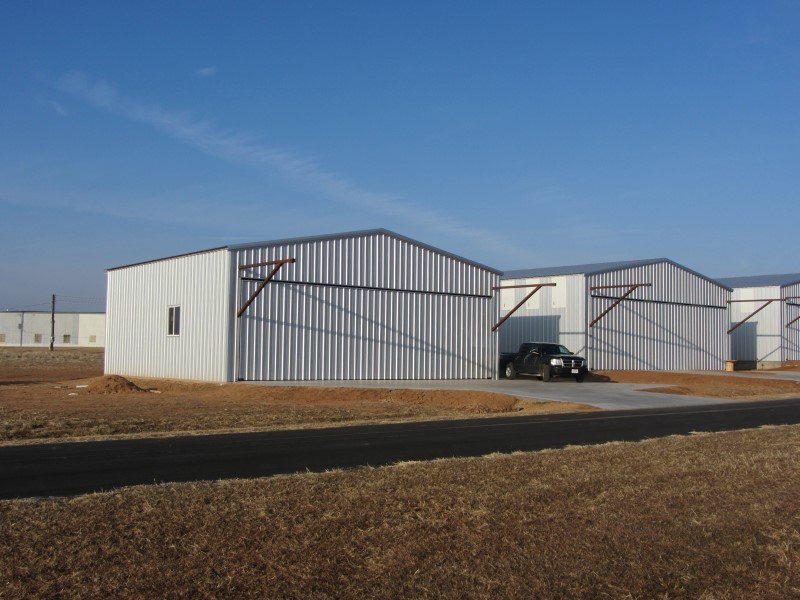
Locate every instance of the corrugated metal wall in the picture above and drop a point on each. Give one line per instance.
(792, 332)
(137, 340)
(679, 323)
(554, 314)
(341, 322)
(760, 338)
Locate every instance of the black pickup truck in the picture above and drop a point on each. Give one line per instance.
(543, 359)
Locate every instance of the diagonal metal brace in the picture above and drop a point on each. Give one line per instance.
(631, 288)
(536, 288)
(277, 266)
(796, 319)
(748, 317)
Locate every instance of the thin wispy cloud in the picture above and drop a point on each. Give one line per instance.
(57, 108)
(205, 71)
(303, 172)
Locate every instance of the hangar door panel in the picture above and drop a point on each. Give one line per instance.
(302, 332)
(657, 336)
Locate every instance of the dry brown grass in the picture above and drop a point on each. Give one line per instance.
(706, 516)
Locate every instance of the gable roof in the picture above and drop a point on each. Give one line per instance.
(598, 268)
(362, 233)
(585, 269)
(761, 280)
(330, 236)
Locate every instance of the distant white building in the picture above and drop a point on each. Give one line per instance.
(764, 318)
(634, 315)
(33, 328)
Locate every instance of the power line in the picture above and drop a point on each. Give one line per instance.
(19, 308)
(60, 298)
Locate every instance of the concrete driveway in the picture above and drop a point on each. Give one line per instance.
(608, 396)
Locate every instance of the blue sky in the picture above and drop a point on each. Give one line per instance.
(517, 134)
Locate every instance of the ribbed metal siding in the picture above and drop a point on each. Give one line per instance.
(681, 327)
(552, 315)
(761, 337)
(791, 334)
(433, 321)
(137, 343)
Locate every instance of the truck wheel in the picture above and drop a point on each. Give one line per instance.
(579, 378)
(546, 374)
(511, 372)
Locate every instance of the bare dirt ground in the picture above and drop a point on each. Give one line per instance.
(711, 516)
(63, 395)
(58, 395)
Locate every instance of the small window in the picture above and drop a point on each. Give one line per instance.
(174, 321)
(37, 338)
(2, 338)
(67, 338)
(92, 339)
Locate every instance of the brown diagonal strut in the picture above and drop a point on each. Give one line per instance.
(277, 265)
(631, 288)
(536, 288)
(751, 315)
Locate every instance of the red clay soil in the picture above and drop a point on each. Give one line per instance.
(712, 385)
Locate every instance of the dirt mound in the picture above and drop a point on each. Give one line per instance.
(112, 384)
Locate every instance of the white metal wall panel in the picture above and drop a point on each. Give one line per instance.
(24, 328)
(366, 306)
(554, 314)
(679, 323)
(137, 341)
(760, 338)
(791, 333)
(92, 329)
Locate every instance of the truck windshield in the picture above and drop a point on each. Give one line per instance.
(555, 349)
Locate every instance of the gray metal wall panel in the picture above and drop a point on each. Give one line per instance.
(138, 298)
(433, 322)
(637, 336)
(679, 323)
(791, 333)
(761, 337)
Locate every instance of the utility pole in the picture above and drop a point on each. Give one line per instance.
(52, 322)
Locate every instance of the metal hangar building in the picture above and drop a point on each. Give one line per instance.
(765, 319)
(647, 314)
(360, 305)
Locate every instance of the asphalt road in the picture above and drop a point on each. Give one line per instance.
(81, 467)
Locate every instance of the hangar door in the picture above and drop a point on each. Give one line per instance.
(297, 332)
(656, 317)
